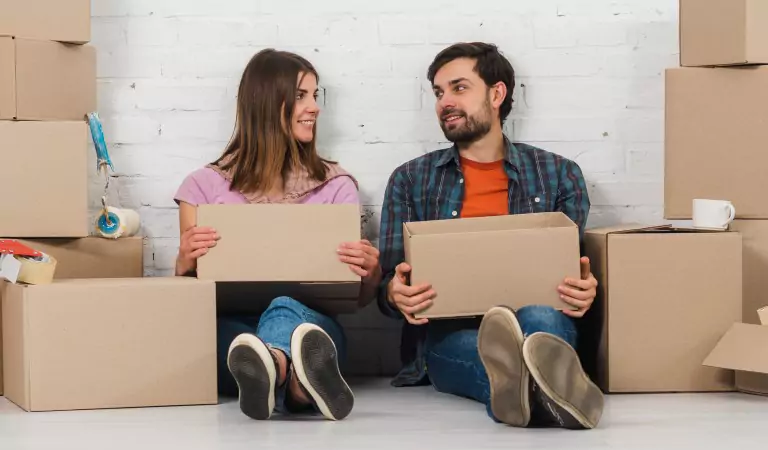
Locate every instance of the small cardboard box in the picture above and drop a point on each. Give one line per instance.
(715, 130)
(44, 189)
(44, 80)
(54, 20)
(477, 263)
(744, 348)
(90, 257)
(281, 249)
(665, 296)
(723, 32)
(110, 343)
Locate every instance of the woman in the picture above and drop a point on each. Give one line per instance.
(287, 357)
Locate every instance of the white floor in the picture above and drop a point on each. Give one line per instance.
(397, 419)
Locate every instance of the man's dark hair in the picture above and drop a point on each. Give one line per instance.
(490, 65)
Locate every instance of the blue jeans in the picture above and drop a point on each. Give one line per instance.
(275, 327)
(453, 363)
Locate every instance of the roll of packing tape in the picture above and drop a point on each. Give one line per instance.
(37, 270)
(122, 223)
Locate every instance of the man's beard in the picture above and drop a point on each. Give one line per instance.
(473, 129)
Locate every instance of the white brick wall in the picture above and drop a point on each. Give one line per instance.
(590, 87)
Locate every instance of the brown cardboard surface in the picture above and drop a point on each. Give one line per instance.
(475, 264)
(743, 349)
(46, 193)
(665, 296)
(94, 257)
(711, 113)
(51, 80)
(110, 343)
(55, 20)
(281, 249)
(723, 32)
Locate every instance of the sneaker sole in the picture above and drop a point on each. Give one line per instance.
(500, 343)
(316, 364)
(252, 366)
(572, 398)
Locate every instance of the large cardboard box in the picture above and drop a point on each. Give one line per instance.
(110, 343)
(44, 189)
(278, 249)
(55, 20)
(723, 32)
(477, 263)
(755, 236)
(90, 257)
(665, 296)
(44, 80)
(715, 130)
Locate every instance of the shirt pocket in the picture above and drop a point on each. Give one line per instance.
(538, 202)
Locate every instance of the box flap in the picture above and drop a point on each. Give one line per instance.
(7, 78)
(763, 314)
(489, 224)
(742, 348)
(625, 228)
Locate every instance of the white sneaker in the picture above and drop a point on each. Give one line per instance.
(253, 367)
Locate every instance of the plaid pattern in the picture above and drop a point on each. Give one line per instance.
(431, 188)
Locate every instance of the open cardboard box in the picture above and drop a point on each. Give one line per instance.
(744, 349)
(273, 250)
(477, 263)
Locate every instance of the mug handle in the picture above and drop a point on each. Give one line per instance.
(732, 214)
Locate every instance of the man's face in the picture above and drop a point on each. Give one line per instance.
(463, 103)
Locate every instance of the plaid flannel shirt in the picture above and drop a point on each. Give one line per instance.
(431, 187)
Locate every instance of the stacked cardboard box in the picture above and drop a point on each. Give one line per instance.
(100, 335)
(715, 133)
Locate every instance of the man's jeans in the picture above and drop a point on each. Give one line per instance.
(453, 363)
(275, 327)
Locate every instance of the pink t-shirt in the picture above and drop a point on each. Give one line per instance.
(206, 186)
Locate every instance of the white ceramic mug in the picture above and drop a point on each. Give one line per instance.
(713, 214)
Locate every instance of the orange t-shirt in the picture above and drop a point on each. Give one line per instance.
(485, 189)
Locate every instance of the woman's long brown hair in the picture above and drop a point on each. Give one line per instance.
(263, 150)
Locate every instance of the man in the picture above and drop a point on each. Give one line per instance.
(521, 364)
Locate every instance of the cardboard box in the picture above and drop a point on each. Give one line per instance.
(755, 236)
(477, 263)
(46, 192)
(665, 297)
(54, 20)
(90, 257)
(282, 249)
(743, 349)
(44, 80)
(715, 127)
(94, 257)
(110, 343)
(723, 32)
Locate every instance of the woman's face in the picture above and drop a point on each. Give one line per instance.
(306, 110)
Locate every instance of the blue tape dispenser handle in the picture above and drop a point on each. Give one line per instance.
(97, 134)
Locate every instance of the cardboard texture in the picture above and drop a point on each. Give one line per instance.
(46, 193)
(755, 236)
(94, 257)
(665, 297)
(110, 343)
(90, 257)
(475, 264)
(723, 32)
(711, 112)
(44, 80)
(279, 250)
(55, 20)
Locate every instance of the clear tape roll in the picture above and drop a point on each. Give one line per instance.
(37, 271)
(122, 223)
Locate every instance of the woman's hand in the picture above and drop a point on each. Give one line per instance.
(363, 259)
(193, 244)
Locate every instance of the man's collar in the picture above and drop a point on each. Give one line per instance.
(512, 155)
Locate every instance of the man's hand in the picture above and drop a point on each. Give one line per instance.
(579, 293)
(409, 300)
